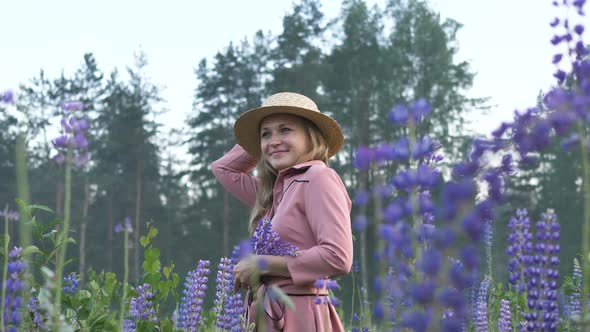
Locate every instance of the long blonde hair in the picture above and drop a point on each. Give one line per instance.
(319, 150)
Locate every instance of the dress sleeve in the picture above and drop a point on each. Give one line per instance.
(232, 171)
(327, 208)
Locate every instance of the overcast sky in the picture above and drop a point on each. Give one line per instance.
(506, 42)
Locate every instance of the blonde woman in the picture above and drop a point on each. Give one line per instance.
(289, 141)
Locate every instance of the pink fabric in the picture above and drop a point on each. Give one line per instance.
(311, 209)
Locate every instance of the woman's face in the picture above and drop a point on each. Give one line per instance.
(283, 140)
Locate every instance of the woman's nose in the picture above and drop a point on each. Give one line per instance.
(275, 140)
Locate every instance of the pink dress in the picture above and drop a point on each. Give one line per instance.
(311, 209)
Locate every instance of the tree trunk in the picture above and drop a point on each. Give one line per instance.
(137, 216)
(110, 230)
(83, 232)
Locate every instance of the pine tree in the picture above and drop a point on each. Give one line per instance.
(127, 156)
(233, 84)
(297, 57)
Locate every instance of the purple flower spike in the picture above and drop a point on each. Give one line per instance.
(265, 241)
(38, 319)
(505, 320)
(142, 307)
(481, 306)
(501, 130)
(560, 75)
(7, 97)
(423, 292)
(70, 284)
(420, 109)
(399, 114)
(556, 40)
(361, 198)
(431, 262)
(360, 223)
(81, 141)
(189, 315)
(10, 215)
(327, 285)
(363, 158)
(13, 304)
(417, 321)
(72, 105)
(542, 276)
(65, 124)
(61, 142)
(79, 125)
(519, 250)
(127, 224)
(228, 307)
(580, 48)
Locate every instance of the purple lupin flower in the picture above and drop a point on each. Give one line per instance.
(228, 306)
(129, 325)
(189, 314)
(481, 306)
(10, 215)
(519, 249)
(420, 109)
(415, 111)
(363, 157)
(265, 241)
(574, 305)
(505, 319)
(401, 149)
(361, 197)
(141, 306)
(424, 147)
(126, 226)
(38, 320)
(543, 274)
(7, 97)
(224, 287)
(359, 222)
(399, 114)
(70, 284)
(235, 312)
(61, 142)
(417, 320)
(357, 322)
(328, 285)
(73, 136)
(14, 285)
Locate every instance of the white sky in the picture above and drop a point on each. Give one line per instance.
(506, 41)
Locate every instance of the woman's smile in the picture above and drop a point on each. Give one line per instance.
(283, 140)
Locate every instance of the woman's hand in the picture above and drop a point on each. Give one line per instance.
(247, 273)
(250, 268)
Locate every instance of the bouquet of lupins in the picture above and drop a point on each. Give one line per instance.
(265, 241)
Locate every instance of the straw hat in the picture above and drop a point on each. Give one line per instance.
(247, 126)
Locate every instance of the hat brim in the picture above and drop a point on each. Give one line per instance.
(247, 127)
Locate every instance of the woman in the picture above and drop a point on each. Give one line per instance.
(290, 141)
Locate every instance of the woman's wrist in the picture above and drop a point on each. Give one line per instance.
(273, 265)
